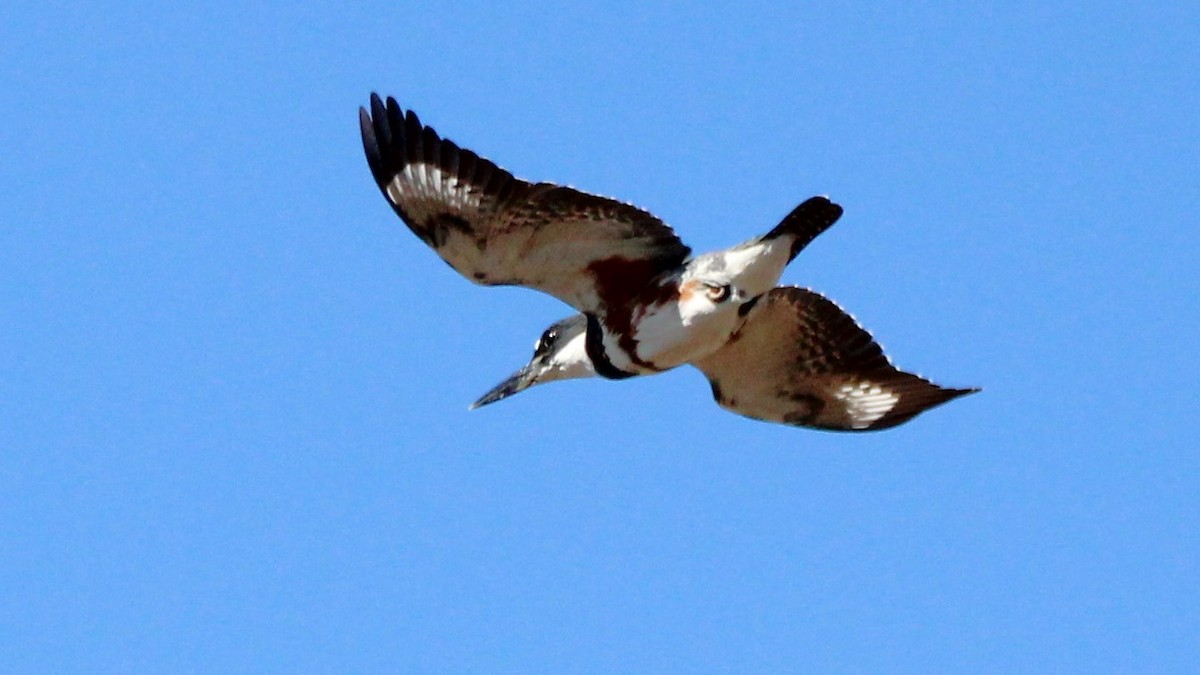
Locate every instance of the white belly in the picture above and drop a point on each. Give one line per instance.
(681, 331)
(691, 324)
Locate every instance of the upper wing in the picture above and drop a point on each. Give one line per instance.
(799, 359)
(589, 251)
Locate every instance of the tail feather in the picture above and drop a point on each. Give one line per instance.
(806, 222)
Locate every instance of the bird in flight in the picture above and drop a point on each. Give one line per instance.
(646, 305)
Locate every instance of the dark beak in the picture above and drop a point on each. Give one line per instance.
(516, 383)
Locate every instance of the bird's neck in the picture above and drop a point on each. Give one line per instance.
(598, 351)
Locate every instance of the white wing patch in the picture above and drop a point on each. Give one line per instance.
(418, 183)
(865, 402)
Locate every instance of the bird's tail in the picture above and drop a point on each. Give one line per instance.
(805, 222)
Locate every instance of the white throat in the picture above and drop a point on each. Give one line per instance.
(569, 361)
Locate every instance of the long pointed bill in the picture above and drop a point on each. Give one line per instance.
(516, 383)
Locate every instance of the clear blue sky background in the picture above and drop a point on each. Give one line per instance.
(233, 387)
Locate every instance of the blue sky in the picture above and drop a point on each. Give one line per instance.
(233, 387)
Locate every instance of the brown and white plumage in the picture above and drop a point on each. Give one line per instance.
(800, 360)
(589, 251)
(780, 354)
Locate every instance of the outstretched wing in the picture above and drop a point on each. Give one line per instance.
(799, 359)
(589, 251)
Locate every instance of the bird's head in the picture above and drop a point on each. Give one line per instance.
(559, 354)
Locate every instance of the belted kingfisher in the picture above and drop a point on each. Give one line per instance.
(777, 354)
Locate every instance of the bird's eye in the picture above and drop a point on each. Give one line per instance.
(546, 341)
(719, 293)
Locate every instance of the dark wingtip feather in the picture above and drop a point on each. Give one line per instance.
(379, 118)
(858, 352)
(370, 142)
(919, 396)
(379, 135)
